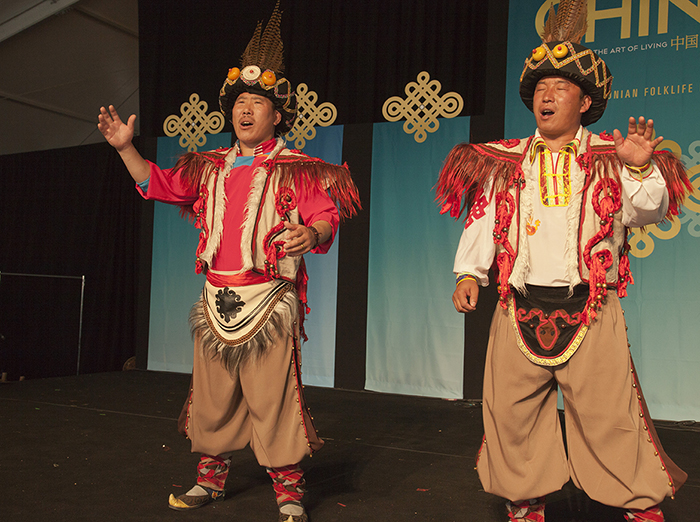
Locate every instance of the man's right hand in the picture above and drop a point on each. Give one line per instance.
(119, 135)
(466, 295)
(116, 132)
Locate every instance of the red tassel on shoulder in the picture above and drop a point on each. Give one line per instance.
(467, 169)
(677, 182)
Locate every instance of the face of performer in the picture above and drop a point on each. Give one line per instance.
(558, 105)
(254, 119)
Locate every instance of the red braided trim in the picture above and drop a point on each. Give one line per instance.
(193, 169)
(303, 170)
(505, 208)
(301, 288)
(605, 207)
(624, 273)
(200, 210)
(285, 202)
(274, 250)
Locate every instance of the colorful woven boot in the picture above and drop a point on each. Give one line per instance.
(211, 476)
(526, 511)
(652, 514)
(289, 485)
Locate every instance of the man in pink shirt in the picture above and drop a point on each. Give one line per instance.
(551, 213)
(259, 207)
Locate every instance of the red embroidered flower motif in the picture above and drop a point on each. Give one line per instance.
(606, 136)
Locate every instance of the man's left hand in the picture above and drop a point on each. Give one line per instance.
(300, 239)
(636, 148)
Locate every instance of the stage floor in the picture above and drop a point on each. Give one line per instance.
(105, 447)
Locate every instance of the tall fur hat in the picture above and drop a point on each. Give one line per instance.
(561, 54)
(261, 72)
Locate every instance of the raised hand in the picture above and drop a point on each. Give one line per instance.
(117, 133)
(636, 148)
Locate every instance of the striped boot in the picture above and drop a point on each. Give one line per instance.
(652, 514)
(212, 471)
(526, 511)
(289, 485)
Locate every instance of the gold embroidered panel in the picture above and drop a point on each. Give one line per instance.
(194, 123)
(309, 115)
(422, 106)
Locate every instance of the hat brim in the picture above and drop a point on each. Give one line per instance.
(581, 66)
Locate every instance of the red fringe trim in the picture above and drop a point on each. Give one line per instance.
(677, 182)
(467, 168)
(306, 171)
(193, 166)
(599, 161)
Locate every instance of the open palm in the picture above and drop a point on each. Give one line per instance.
(637, 147)
(117, 133)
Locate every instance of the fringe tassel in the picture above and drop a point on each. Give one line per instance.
(600, 161)
(193, 166)
(677, 182)
(307, 172)
(279, 324)
(466, 169)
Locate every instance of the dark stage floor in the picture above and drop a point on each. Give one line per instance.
(105, 447)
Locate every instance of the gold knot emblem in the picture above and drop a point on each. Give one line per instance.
(193, 124)
(422, 106)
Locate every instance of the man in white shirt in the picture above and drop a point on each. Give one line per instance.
(550, 213)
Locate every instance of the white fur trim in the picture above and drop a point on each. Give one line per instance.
(251, 209)
(214, 240)
(573, 215)
(521, 266)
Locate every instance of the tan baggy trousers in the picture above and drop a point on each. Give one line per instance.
(262, 404)
(614, 454)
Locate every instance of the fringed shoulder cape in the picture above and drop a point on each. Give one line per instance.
(267, 272)
(469, 167)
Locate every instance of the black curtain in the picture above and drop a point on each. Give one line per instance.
(72, 212)
(355, 54)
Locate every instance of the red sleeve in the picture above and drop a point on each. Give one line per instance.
(315, 205)
(164, 185)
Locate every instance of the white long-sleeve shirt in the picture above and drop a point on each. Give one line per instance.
(643, 202)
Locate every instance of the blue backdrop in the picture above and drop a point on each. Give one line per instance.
(415, 338)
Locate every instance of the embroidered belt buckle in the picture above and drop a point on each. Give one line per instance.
(547, 323)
